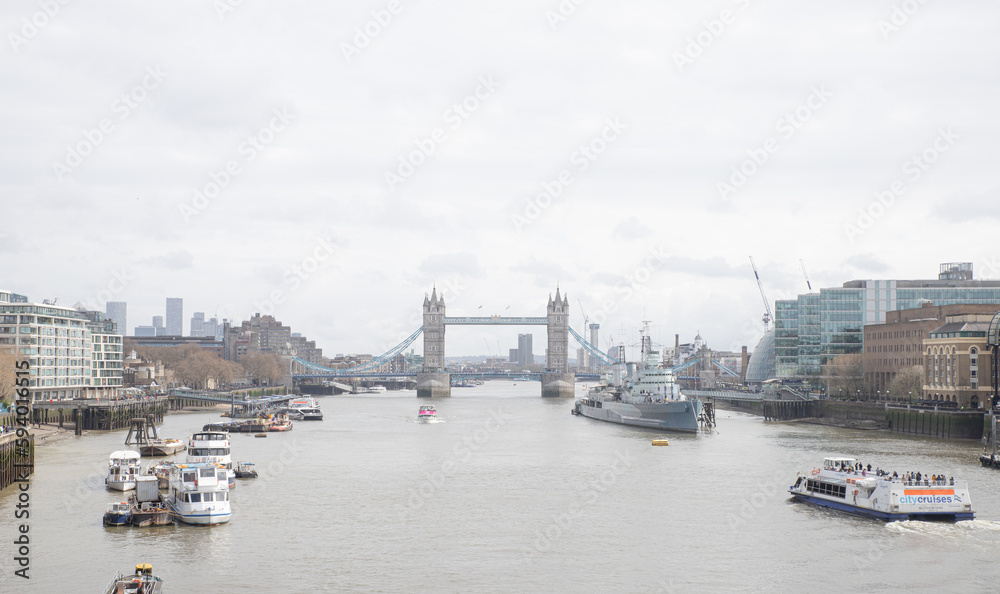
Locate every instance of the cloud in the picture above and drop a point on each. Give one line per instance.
(175, 260)
(867, 263)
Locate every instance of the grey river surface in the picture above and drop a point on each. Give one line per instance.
(511, 493)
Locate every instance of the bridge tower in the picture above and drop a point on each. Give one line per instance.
(433, 381)
(557, 380)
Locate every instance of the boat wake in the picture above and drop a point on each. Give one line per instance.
(943, 528)
(426, 421)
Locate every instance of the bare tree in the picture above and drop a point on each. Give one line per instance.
(908, 384)
(847, 376)
(8, 374)
(263, 368)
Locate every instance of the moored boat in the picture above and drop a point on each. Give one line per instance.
(842, 484)
(118, 514)
(645, 396)
(141, 582)
(245, 470)
(199, 494)
(161, 447)
(123, 468)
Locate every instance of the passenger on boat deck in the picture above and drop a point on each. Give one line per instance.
(869, 468)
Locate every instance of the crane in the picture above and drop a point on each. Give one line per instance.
(808, 284)
(767, 317)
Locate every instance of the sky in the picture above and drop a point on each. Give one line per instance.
(331, 163)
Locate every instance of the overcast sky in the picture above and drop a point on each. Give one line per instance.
(330, 163)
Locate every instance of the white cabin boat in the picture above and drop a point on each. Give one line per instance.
(123, 468)
(199, 494)
(842, 484)
(304, 409)
(211, 447)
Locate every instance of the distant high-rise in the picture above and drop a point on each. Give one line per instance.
(145, 331)
(525, 356)
(116, 311)
(594, 361)
(198, 324)
(175, 316)
(157, 321)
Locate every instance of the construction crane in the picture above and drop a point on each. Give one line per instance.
(767, 317)
(804, 273)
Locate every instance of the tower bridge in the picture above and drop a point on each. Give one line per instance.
(435, 380)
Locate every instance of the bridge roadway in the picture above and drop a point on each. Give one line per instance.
(487, 374)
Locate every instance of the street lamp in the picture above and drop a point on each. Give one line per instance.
(911, 396)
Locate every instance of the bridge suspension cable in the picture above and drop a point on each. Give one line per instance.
(375, 362)
(593, 350)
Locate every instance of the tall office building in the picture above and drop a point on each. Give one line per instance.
(116, 311)
(198, 324)
(175, 316)
(525, 356)
(813, 329)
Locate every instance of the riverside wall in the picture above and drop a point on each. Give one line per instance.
(943, 424)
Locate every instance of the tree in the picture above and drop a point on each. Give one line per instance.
(847, 375)
(8, 375)
(908, 383)
(263, 368)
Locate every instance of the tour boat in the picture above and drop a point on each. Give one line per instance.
(376, 389)
(199, 494)
(427, 412)
(304, 409)
(118, 514)
(143, 581)
(842, 484)
(123, 467)
(210, 446)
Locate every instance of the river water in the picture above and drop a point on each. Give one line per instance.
(510, 492)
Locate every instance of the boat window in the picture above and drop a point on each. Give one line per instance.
(188, 477)
(206, 472)
(206, 497)
(225, 496)
(195, 497)
(185, 498)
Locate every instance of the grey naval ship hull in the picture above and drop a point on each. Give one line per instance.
(670, 416)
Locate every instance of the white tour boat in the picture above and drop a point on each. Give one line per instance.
(123, 468)
(842, 484)
(212, 447)
(304, 409)
(199, 493)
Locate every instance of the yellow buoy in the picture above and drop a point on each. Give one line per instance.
(660, 442)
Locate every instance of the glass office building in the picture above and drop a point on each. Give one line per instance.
(815, 328)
